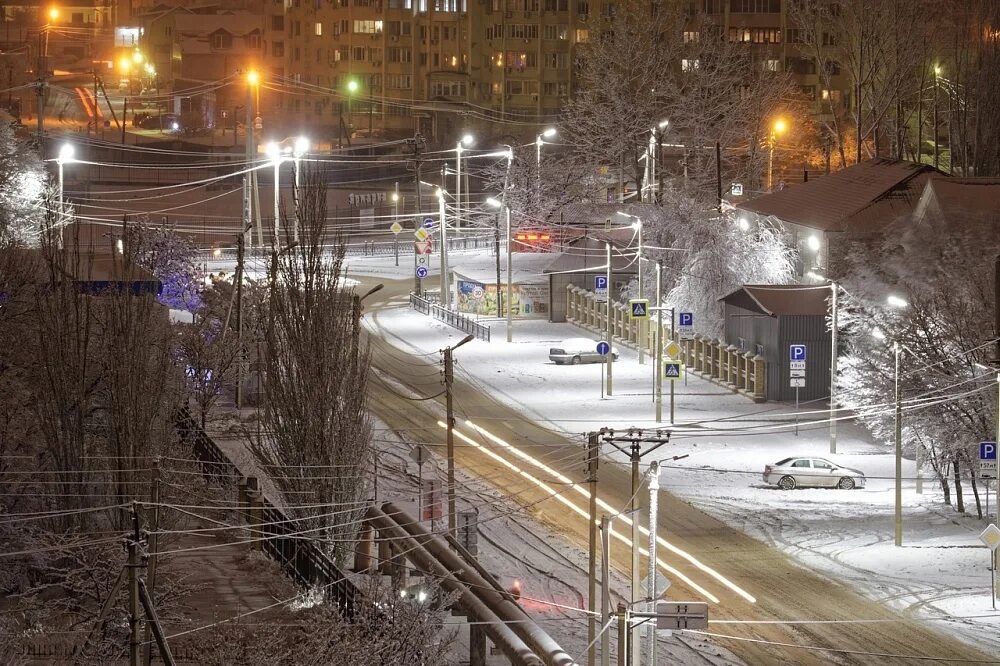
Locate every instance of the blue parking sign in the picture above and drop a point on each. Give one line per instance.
(600, 282)
(796, 352)
(987, 450)
(685, 319)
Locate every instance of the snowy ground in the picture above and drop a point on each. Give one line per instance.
(942, 571)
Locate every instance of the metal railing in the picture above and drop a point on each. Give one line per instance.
(302, 559)
(454, 319)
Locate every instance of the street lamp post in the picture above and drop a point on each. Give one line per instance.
(547, 134)
(66, 153)
(449, 378)
(253, 79)
(466, 140)
(654, 488)
(637, 226)
(897, 349)
(273, 151)
(300, 148)
(777, 129)
(445, 289)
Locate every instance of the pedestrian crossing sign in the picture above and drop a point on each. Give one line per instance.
(673, 370)
(639, 308)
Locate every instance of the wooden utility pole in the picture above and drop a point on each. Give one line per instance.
(152, 547)
(449, 378)
(133, 590)
(593, 453)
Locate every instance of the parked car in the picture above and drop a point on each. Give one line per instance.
(578, 350)
(792, 473)
(164, 121)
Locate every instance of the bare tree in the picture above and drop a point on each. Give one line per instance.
(317, 440)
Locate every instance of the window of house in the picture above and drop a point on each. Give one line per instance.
(522, 31)
(318, 29)
(555, 88)
(557, 31)
(832, 67)
(689, 65)
(367, 27)
(690, 36)
(556, 5)
(278, 49)
(278, 22)
(582, 7)
(556, 61)
(222, 40)
(399, 54)
(296, 54)
(448, 89)
(254, 40)
(754, 6)
(400, 4)
(801, 65)
(772, 65)
(358, 53)
(400, 81)
(582, 35)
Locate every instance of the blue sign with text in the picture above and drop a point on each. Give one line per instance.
(987, 450)
(600, 282)
(685, 319)
(796, 352)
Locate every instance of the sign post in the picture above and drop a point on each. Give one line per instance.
(603, 348)
(991, 537)
(797, 375)
(600, 288)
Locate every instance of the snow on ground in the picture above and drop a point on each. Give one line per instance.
(942, 572)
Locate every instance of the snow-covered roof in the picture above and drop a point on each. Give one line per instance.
(861, 198)
(590, 253)
(780, 299)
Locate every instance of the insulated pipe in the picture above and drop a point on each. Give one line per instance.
(540, 642)
(501, 634)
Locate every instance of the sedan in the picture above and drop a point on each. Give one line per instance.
(793, 473)
(578, 350)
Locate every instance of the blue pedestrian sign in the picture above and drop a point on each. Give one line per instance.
(429, 223)
(673, 370)
(639, 308)
(987, 450)
(421, 272)
(685, 319)
(603, 348)
(796, 352)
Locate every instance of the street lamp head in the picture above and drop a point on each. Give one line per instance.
(273, 150)
(878, 334)
(637, 224)
(440, 194)
(896, 301)
(663, 124)
(253, 77)
(937, 70)
(549, 133)
(780, 126)
(125, 65)
(395, 197)
(468, 338)
(494, 203)
(302, 146)
(53, 13)
(352, 86)
(813, 243)
(137, 57)
(467, 140)
(66, 152)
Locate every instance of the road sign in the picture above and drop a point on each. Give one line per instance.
(421, 234)
(423, 247)
(428, 223)
(681, 615)
(673, 370)
(737, 189)
(796, 352)
(603, 348)
(601, 287)
(396, 228)
(421, 272)
(797, 373)
(468, 530)
(672, 349)
(991, 536)
(988, 460)
(638, 308)
(796, 365)
(685, 320)
(419, 454)
(797, 382)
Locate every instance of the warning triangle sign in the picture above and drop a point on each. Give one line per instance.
(639, 308)
(672, 370)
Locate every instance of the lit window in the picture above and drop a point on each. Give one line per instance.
(582, 35)
(689, 65)
(319, 28)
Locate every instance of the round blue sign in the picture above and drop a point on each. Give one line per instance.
(428, 223)
(421, 271)
(603, 348)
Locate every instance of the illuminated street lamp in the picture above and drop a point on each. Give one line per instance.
(778, 128)
(274, 152)
(547, 134)
(897, 349)
(66, 156)
(300, 148)
(467, 140)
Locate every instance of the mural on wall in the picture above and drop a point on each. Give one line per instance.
(529, 300)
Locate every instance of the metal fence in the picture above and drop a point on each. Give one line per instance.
(302, 559)
(454, 319)
(404, 245)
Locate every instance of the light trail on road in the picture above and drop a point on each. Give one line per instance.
(583, 513)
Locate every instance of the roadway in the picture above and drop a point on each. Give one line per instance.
(750, 580)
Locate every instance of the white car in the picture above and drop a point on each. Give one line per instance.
(792, 473)
(578, 350)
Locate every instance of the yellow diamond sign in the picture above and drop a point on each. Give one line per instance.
(396, 228)
(991, 537)
(672, 349)
(421, 234)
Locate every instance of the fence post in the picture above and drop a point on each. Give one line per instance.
(254, 511)
(759, 375)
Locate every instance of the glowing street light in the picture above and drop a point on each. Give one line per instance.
(778, 128)
(546, 134)
(896, 301)
(465, 141)
(253, 77)
(66, 155)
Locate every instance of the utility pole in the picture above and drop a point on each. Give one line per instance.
(510, 278)
(248, 130)
(417, 143)
(937, 69)
(833, 367)
(635, 438)
(449, 378)
(654, 488)
(899, 453)
(445, 283)
(606, 589)
(240, 251)
(659, 351)
(610, 328)
(133, 590)
(593, 453)
(622, 634)
(152, 547)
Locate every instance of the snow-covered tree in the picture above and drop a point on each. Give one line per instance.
(942, 266)
(709, 256)
(24, 189)
(172, 258)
